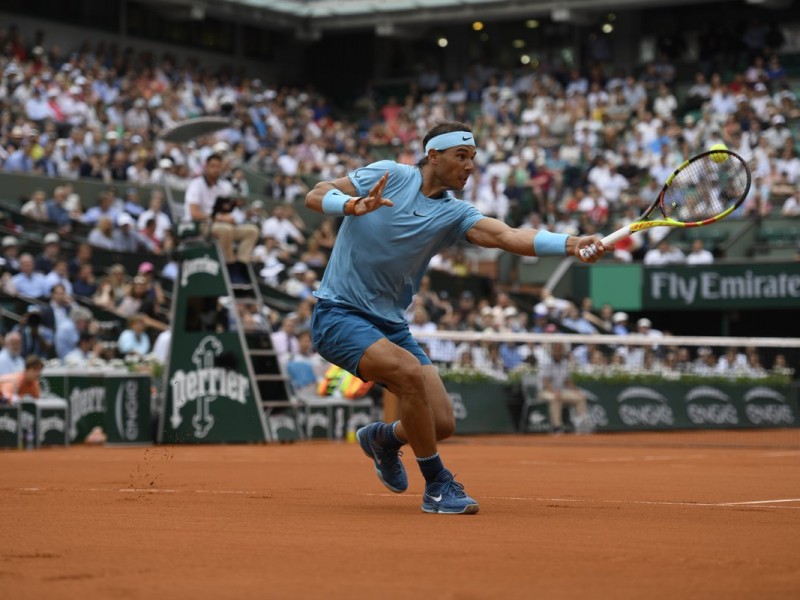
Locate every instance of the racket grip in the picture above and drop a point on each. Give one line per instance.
(609, 239)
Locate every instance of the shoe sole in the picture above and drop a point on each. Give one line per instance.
(469, 509)
(375, 464)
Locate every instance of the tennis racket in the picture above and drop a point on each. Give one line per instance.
(704, 189)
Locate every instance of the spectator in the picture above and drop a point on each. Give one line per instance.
(555, 386)
(68, 331)
(127, 239)
(29, 282)
(57, 310)
(620, 320)
(88, 352)
(281, 227)
(134, 340)
(155, 211)
(83, 256)
(11, 359)
(50, 251)
(202, 205)
(36, 207)
(17, 386)
(57, 212)
(699, 255)
(36, 338)
(59, 276)
(664, 254)
(105, 209)
(102, 236)
(85, 284)
(10, 261)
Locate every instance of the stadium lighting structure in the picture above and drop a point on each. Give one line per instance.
(531, 23)
(607, 28)
(442, 42)
(525, 59)
(477, 26)
(518, 44)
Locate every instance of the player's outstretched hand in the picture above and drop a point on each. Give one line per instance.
(593, 249)
(374, 200)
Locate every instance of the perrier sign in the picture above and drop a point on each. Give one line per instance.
(209, 386)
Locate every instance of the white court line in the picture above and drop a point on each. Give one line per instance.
(762, 502)
(751, 503)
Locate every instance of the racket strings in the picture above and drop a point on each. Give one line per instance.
(705, 189)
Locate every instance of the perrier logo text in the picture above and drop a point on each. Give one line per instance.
(205, 384)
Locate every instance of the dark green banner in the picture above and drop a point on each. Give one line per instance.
(741, 286)
(86, 394)
(127, 417)
(10, 429)
(735, 286)
(480, 407)
(209, 386)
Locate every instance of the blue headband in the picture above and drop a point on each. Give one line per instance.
(444, 141)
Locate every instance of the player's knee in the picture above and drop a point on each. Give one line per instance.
(445, 428)
(409, 380)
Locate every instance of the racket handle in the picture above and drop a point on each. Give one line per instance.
(611, 238)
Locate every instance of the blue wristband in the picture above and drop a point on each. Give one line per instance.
(550, 244)
(334, 201)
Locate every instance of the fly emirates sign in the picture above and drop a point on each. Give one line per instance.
(737, 286)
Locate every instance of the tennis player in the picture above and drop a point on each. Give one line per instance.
(397, 217)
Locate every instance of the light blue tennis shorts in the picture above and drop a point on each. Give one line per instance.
(341, 334)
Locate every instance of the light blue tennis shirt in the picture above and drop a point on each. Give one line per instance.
(379, 258)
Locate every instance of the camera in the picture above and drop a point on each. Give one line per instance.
(223, 205)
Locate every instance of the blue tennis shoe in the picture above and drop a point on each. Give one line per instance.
(387, 461)
(446, 496)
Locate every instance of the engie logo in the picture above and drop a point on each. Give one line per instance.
(595, 411)
(765, 406)
(706, 405)
(126, 410)
(639, 405)
(193, 266)
(205, 384)
(459, 408)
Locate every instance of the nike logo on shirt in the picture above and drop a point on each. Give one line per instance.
(416, 214)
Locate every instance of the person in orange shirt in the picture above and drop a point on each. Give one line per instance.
(15, 386)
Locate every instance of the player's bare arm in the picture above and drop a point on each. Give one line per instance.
(355, 205)
(491, 233)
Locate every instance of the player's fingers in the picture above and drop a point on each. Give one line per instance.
(387, 202)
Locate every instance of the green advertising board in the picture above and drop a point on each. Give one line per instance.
(735, 286)
(103, 399)
(483, 407)
(86, 394)
(675, 405)
(10, 429)
(127, 416)
(480, 407)
(209, 391)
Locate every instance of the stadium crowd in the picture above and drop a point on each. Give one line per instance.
(560, 149)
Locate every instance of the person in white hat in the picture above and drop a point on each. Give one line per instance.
(620, 320)
(128, 239)
(10, 254)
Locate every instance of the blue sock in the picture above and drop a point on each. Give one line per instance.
(386, 437)
(430, 467)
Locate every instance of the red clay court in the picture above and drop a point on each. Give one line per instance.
(560, 518)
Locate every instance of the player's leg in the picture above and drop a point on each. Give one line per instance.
(425, 416)
(342, 336)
